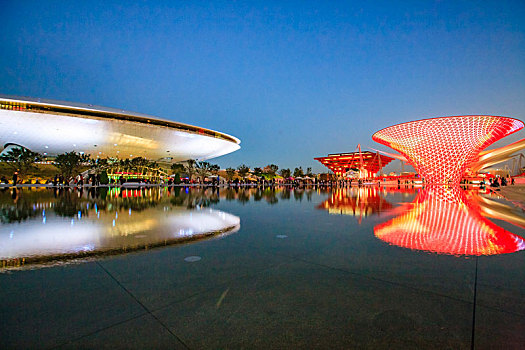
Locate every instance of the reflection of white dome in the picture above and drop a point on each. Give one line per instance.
(54, 237)
(52, 127)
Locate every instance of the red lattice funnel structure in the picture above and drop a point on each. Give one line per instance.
(442, 220)
(441, 148)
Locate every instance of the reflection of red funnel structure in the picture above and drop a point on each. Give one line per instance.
(441, 220)
(441, 148)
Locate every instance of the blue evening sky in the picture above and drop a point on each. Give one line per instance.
(292, 79)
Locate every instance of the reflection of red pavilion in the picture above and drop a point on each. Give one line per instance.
(362, 201)
(441, 220)
(441, 148)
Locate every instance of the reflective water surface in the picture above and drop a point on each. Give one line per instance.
(448, 221)
(352, 267)
(56, 225)
(44, 225)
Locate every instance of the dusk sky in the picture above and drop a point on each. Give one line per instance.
(292, 80)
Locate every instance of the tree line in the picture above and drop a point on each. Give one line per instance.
(203, 169)
(22, 160)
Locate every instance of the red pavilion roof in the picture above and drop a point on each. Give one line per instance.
(340, 163)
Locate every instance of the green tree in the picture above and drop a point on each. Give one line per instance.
(20, 159)
(153, 166)
(230, 174)
(139, 162)
(124, 165)
(309, 172)
(104, 179)
(140, 165)
(214, 169)
(69, 163)
(298, 172)
(285, 173)
(243, 170)
(257, 171)
(177, 180)
(98, 164)
(203, 169)
(271, 169)
(177, 168)
(190, 168)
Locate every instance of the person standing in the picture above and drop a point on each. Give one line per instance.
(15, 178)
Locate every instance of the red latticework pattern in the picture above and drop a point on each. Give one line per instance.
(441, 148)
(441, 220)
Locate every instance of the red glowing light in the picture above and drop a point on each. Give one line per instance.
(443, 221)
(441, 148)
(362, 201)
(340, 163)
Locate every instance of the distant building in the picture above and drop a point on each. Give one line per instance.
(366, 163)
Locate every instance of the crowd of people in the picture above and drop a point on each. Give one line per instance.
(95, 180)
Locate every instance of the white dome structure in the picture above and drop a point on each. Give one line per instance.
(54, 127)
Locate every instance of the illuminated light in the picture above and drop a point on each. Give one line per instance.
(58, 125)
(192, 258)
(338, 163)
(444, 221)
(441, 149)
(494, 156)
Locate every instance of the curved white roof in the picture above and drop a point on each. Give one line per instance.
(54, 127)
